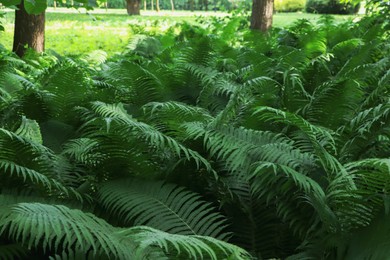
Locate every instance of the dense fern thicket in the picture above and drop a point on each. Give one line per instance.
(207, 142)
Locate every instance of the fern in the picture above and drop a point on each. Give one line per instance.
(29, 161)
(69, 231)
(183, 247)
(162, 206)
(57, 228)
(240, 147)
(128, 125)
(67, 87)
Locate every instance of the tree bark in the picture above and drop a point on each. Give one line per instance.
(157, 5)
(144, 5)
(261, 18)
(151, 5)
(133, 7)
(172, 6)
(29, 31)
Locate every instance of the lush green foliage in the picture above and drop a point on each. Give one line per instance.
(331, 7)
(289, 5)
(200, 143)
(71, 33)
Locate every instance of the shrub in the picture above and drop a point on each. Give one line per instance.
(116, 4)
(289, 5)
(331, 7)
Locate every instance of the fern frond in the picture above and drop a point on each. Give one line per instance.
(175, 113)
(30, 129)
(239, 148)
(27, 160)
(128, 125)
(363, 130)
(84, 150)
(255, 223)
(163, 206)
(57, 227)
(183, 247)
(319, 137)
(68, 86)
(135, 84)
(96, 57)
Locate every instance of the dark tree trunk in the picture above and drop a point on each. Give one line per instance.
(29, 31)
(192, 5)
(262, 11)
(133, 7)
(206, 4)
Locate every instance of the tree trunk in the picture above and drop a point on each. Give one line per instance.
(29, 31)
(192, 5)
(133, 7)
(262, 11)
(172, 5)
(157, 5)
(151, 5)
(144, 5)
(206, 4)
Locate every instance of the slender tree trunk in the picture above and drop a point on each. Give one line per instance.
(172, 6)
(262, 11)
(55, 4)
(29, 31)
(151, 5)
(144, 5)
(157, 5)
(192, 5)
(133, 7)
(206, 4)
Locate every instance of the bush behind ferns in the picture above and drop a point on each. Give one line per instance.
(331, 7)
(290, 5)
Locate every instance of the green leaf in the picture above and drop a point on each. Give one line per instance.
(35, 6)
(9, 2)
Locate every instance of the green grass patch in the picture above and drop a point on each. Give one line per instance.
(70, 31)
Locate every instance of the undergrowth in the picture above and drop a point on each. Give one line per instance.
(206, 142)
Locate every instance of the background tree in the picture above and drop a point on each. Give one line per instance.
(133, 7)
(29, 31)
(262, 11)
(157, 6)
(30, 24)
(172, 5)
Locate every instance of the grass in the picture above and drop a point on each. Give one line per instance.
(70, 31)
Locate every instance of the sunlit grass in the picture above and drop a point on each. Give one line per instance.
(70, 31)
